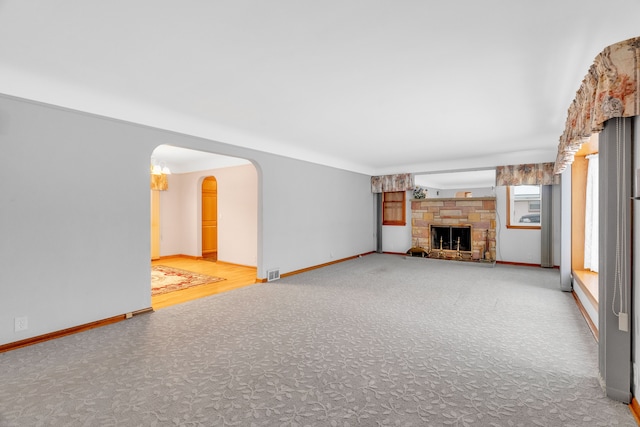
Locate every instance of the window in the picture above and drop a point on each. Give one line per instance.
(393, 208)
(523, 206)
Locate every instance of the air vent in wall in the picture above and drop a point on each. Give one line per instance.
(273, 275)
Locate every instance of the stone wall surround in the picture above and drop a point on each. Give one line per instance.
(478, 212)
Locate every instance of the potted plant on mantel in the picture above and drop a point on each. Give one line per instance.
(419, 193)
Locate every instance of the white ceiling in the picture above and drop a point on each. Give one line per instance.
(373, 86)
(183, 160)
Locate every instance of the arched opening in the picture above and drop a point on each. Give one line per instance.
(206, 212)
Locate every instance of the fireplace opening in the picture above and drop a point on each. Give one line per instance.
(449, 236)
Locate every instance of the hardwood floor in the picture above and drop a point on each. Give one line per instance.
(236, 277)
(588, 280)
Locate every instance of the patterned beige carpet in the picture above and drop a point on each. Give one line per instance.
(168, 279)
(375, 341)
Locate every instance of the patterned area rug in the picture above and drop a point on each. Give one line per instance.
(168, 279)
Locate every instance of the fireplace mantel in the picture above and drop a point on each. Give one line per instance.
(430, 199)
(477, 212)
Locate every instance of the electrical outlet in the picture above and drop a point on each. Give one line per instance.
(21, 324)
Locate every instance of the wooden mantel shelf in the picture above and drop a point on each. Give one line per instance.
(438, 199)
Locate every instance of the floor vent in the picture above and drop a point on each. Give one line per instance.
(273, 275)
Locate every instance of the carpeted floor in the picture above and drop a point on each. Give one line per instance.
(375, 341)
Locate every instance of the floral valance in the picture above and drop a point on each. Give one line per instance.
(610, 89)
(398, 182)
(532, 174)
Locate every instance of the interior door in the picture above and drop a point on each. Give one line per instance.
(210, 217)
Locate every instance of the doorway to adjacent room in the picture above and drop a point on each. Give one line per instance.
(210, 219)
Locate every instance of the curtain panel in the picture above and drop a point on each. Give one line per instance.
(531, 174)
(591, 215)
(610, 89)
(398, 182)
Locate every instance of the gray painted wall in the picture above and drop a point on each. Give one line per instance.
(513, 245)
(75, 214)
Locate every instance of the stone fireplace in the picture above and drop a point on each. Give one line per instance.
(472, 219)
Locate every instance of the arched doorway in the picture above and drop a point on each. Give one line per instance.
(183, 239)
(210, 218)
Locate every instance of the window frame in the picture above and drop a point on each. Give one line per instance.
(401, 204)
(512, 222)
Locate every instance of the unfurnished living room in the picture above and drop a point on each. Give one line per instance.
(299, 213)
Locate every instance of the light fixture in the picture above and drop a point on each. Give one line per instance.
(159, 172)
(159, 168)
